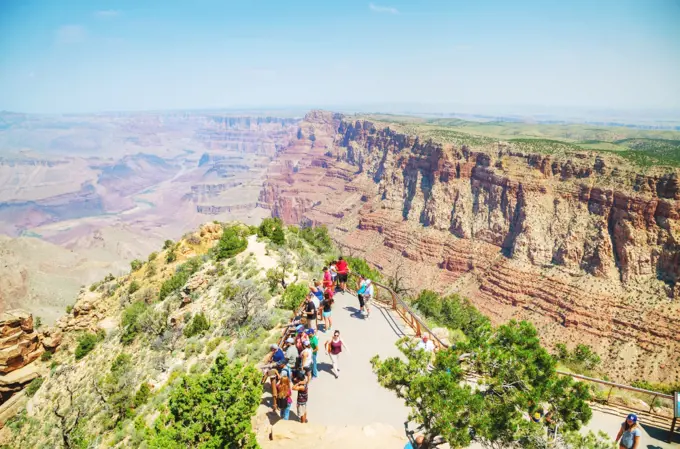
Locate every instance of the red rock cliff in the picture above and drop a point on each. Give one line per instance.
(581, 245)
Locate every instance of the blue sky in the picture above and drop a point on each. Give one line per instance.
(96, 55)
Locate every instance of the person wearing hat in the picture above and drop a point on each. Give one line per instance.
(629, 433)
(307, 358)
(278, 357)
(291, 355)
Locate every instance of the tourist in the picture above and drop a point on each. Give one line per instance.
(314, 343)
(307, 358)
(333, 349)
(343, 272)
(316, 289)
(629, 433)
(299, 337)
(284, 395)
(278, 357)
(327, 278)
(550, 423)
(426, 344)
(332, 268)
(327, 311)
(291, 354)
(302, 387)
(310, 312)
(365, 293)
(419, 440)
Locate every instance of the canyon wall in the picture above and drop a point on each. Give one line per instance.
(583, 245)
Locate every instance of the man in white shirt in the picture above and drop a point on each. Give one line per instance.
(425, 344)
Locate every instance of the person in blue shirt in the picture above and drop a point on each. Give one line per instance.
(629, 433)
(278, 357)
(419, 443)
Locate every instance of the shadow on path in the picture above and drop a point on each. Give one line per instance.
(355, 313)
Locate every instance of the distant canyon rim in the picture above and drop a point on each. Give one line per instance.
(584, 244)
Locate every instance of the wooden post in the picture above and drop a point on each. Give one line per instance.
(418, 328)
(670, 438)
(610, 393)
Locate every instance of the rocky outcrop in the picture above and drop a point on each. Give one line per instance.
(581, 244)
(19, 342)
(20, 346)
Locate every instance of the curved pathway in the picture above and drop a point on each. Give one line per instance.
(356, 398)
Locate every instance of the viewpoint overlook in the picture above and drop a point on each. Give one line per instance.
(139, 265)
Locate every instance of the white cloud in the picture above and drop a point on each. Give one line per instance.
(70, 34)
(383, 9)
(107, 13)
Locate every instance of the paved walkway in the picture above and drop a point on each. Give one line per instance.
(356, 398)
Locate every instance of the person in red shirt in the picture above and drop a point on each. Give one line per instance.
(343, 272)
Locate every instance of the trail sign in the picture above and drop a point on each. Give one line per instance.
(676, 403)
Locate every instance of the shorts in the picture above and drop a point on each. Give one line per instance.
(302, 409)
(327, 314)
(361, 300)
(342, 277)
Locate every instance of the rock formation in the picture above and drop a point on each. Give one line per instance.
(583, 245)
(20, 346)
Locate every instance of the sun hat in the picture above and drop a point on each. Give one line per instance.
(306, 342)
(310, 331)
(632, 417)
(290, 340)
(284, 373)
(273, 346)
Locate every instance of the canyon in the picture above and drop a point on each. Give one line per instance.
(82, 196)
(584, 244)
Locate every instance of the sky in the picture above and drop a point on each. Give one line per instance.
(127, 55)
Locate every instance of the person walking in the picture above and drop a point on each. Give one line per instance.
(302, 387)
(365, 293)
(314, 343)
(284, 395)
(343, 272)
(334, 348)
(629, 433)
(327, 311)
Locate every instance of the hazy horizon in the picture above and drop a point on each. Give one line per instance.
(489, 57)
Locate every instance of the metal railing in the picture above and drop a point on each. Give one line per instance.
(387, 296)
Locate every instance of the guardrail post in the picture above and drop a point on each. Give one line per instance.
(651, 406)
(417, 328)
(610, 393)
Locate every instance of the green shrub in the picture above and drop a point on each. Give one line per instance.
(121, 363)
(452, 312)
(34, 386)
(180, 277)
(230, 244)
(360, 266)
(153, 256)
(37, 322)
(134, 286)
(46, 356)
(142, 395)
(273, 277)
(130, 321)
(269, 226)
(293, 296)
(168, 244)
(199, 324)
(86, 344)
(318, 238)
(212, 345)
(211, 410)
(136, 264)
(171, 256)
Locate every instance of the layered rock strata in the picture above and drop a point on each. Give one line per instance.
(581, 244)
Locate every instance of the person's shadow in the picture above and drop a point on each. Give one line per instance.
(355, 313)
(324, 366)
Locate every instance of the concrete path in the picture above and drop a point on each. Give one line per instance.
(356, 398)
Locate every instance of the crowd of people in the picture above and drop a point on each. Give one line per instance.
(294, 366)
